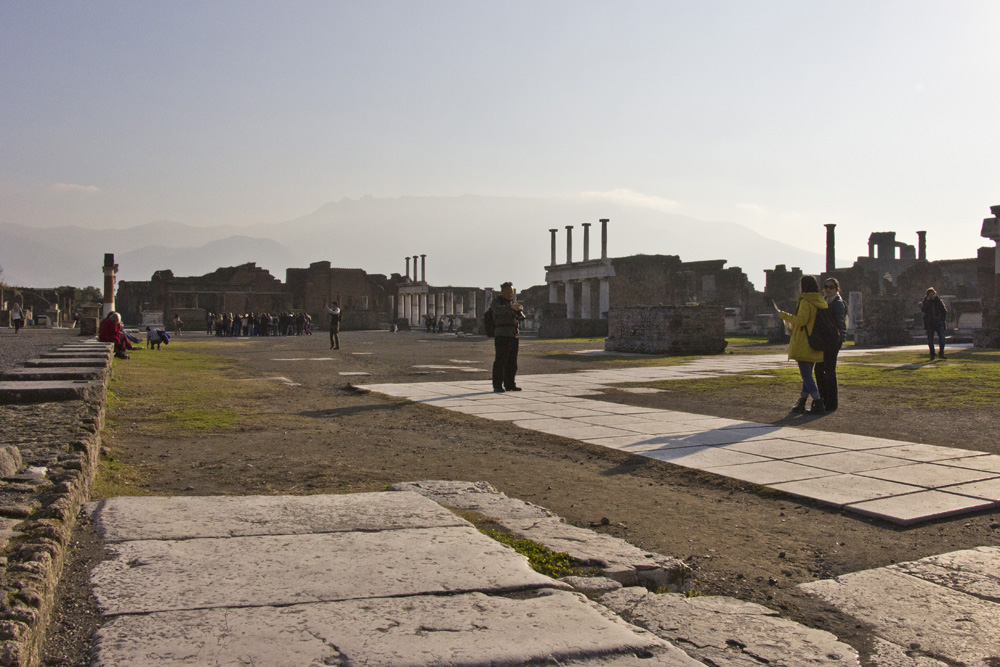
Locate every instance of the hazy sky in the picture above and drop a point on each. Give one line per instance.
(780, 115)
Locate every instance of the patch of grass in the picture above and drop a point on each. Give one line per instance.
(543, 560)
(183, 391)
(116, 478)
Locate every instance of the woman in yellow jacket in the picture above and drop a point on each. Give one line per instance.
(810, 300)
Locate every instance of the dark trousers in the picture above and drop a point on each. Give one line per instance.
(335, 338)
(940, 331)
(505, 362)
(826, 378)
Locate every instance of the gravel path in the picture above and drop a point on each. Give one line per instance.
(15, 349)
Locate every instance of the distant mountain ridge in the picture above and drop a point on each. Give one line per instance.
(470, 240)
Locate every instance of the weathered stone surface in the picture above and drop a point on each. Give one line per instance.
(618, 559)
(478, 497)
(726, 632)
(147, 576)
(887, 654)
(44, 391)
(470, 629)
(67, 373)
(973, 571)
(176, 518)
(592, 587)
(910, 611)
(73, 361)
(10, 460)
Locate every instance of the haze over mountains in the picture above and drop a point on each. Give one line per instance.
(471, 240)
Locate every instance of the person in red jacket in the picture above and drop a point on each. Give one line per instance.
(112, 331)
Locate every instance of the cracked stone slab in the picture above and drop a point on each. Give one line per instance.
(973, 571)
(469, 629)
(937, 621)
(618, 559)
(480, 497)
(184, 517)
(150, 576)
(68, 361)
(887, 654)
(920, 506)
(726, 632)
(67, 373)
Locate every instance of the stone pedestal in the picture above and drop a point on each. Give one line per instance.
(90, 317)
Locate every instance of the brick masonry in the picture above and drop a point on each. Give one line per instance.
(667, 330)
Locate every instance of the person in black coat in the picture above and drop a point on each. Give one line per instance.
(826, 370)
(935, 320)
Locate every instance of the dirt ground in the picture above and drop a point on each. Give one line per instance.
(323, 436)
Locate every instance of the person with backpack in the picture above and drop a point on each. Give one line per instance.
(826, 370)
(803, 321)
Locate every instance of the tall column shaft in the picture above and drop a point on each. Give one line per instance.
(831, 254)
(922, 245)
(553, 233)
(569, 244)
(407, 267)
(423, 268)
(586, 241)
(604, 238)
(570, 299)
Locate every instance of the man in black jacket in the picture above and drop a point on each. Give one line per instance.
(507, 316)
(935, 320)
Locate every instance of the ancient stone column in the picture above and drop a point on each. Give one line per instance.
(586, 241)
(604, 298)
(831, 253)
(423, 307)
(553, 232)
(450, 304)
(423, 268)
(570, 300)
(471, 300)
(604, 238)
(585, 299)
(569, 244)
(110, 271)
(407, 267)
(922, 246)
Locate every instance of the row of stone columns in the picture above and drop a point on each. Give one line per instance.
(423, 268)
(568, 296)
(586, 242)
(414, 307)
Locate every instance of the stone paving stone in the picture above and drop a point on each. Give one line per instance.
(920, 506)
(725, 632)
(413, 631)
(621, 441)
(988, 463)
(973, 571)
(840, 490)
(636, 424)
(183, 517)
(568, 429)
(770, 472)
(842, 440)
(952, 626)
(67, 373)
(886, 654)
(509, 416)
(151, 575)
(564, 412)
(929, 475)
(919, 452)
(851, 462)
(780, 448)
(44, 391)
(69, 361)
(702, 457)
(987, 490)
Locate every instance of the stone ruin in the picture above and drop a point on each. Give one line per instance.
(678, 330)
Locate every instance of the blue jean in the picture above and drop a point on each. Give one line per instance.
(809, 387)
(941, 332)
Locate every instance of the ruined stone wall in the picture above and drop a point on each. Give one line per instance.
(886, 322)
(667, 330)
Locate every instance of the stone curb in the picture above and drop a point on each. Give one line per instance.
(46, 481)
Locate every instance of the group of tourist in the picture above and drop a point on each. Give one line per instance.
(811, 301)
(437, 326)
(258, 324)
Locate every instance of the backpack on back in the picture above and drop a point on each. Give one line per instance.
(825, 336)
(489, 326)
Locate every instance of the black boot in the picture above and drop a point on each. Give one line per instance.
(800, 407)
(817, 407)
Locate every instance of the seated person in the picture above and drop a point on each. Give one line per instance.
(112, 331)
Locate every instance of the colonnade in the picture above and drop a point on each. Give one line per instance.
(413, 306)
(584, 285)
(585, 298)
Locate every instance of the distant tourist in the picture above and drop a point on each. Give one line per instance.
(334, 310)
(826, 370)
(177, 324)
(935, 320)
(507, 315)
(802, 322)
(16, 316)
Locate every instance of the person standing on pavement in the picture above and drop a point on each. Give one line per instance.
(935, 320)
(334, 312)
(507, 317)
(16, 316)
(826, 370)
(810, 301)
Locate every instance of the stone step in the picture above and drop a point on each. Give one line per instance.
(67, 362)
(45, 391)
(59, 373)
(76, 354)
